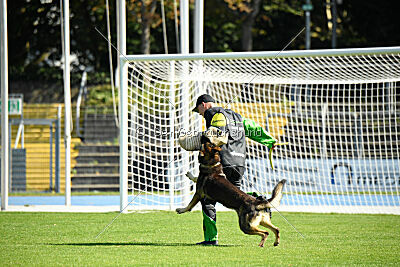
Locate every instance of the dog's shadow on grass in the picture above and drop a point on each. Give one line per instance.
(118, 244)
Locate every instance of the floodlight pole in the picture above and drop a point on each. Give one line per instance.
(198, 26)
(4, 107)
(67, 105)
(184, 34)
(123, 135)
(307, 10)
(184, 9)
(198, 45)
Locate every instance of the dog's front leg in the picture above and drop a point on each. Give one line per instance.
(193, 202)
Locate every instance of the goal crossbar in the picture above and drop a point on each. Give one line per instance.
(264, 54)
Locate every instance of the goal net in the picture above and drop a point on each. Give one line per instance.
(339, 111)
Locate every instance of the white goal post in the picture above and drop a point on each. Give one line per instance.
(338, 109)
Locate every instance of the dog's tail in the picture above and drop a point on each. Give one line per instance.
(275, 200)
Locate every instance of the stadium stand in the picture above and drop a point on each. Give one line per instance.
(37, 147)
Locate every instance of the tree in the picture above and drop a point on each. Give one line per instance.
(27, 27)
(147, 17)
(247, 11)
(34, 31)
(277, 24)
(147, 14)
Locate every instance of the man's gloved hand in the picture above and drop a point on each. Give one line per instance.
(271, 149)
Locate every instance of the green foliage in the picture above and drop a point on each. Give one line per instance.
(34, 32)
(101, 96)
(165, 238)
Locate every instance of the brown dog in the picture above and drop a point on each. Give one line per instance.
(212, 183)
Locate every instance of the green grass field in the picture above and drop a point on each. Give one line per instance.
(165, 238)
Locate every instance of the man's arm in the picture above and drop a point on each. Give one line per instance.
(257, 133)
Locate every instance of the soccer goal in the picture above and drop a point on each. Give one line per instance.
(339, 111)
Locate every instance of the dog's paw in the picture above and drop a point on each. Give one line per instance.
(180, 210)
(276, 244)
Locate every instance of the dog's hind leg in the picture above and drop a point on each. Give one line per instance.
(257, 231)
(251, 228)
(266, 222)
(263, 238)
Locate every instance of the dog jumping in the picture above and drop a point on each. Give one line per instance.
(212, 183)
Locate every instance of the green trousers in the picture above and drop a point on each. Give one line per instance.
(209, 228)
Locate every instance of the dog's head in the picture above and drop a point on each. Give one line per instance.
(209, 153)
(211, 142)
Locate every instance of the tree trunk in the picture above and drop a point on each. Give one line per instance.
(247, 38)
(147, 12)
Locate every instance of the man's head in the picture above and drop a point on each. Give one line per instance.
(203, 103)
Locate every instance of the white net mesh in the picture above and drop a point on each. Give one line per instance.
(340, 115)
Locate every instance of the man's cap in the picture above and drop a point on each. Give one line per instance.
(203, 98)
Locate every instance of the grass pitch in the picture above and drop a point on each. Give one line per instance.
(165, 238)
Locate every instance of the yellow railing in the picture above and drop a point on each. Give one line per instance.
(37, 145)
